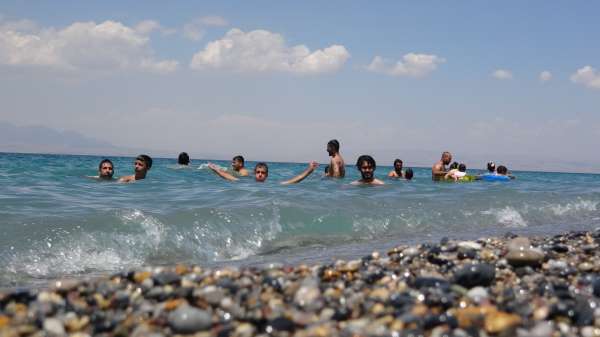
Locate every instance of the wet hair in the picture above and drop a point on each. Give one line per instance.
(502, 170)
(238, 158)
(183, 159)
(334, 144)
(106, 160)
(397, 161)
(263, 165)
(491, 166)
(454, 166)
(368, 159)
(462, 167)
(146, 159)
(408, 174)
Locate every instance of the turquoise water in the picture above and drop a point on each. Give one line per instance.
(56, 223)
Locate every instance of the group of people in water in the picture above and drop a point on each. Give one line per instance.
(443, 169)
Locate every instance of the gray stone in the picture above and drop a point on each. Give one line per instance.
(188, 320)
(54, 327)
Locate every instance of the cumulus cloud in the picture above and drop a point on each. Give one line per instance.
(545, 76)
(502, 74)
(587, 76)
(262, 51)
(411, 65)
(196, 29)
(108, 45)
(148, 26)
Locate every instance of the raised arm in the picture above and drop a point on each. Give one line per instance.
(220, 173)
(311, 167)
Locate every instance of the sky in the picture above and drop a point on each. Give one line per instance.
(514, 82)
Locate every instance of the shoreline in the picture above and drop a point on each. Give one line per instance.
(497, 286)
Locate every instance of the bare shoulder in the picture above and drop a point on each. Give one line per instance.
(127, 179)
(377, 182)
(243, 172)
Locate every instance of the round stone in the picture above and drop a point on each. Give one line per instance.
(188, 320)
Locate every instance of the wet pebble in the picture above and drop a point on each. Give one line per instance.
(188, 320)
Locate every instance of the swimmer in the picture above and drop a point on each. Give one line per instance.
(261, 173)
(503, 171)
(183, 159)
(337, 168)
(456, 172)
(105, 170)
(142, 165)
(438, 170)
(237, 164)
(491, 167)
(366, 165)
(326, 171)
(397, 171)
(408, 174)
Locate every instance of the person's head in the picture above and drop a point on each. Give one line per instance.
(502, 170)
(237, 163)
(333, 147)
(446, 157)
(462, 167)
(261, 172)
(398, 165)
(327, 170)
(142, 163)
(491, 167)
(366, 165)
(183, 159)
(106, 169)
(454, 166)
(408, 174)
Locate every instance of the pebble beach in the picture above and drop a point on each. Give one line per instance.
(499, 286)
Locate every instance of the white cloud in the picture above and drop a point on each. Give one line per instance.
(196, 29)
(81, 46)
(261, 51)
(148, 26)
(411, 65)
(545, 76)
(502, 74)
(587, 76)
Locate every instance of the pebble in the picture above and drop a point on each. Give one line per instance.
(521, 253)
(188, 320)
(54, 327)
(474, 275)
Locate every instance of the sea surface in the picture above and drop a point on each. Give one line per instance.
(56, 223)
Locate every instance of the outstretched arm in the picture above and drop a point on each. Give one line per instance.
(311, 167)
(222, 174)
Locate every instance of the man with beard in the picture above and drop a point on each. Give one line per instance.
(439, 170)
(366, 165)
(337, 167)
(397, 171)
(142, 165)
(105, 170)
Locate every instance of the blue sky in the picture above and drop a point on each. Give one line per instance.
(300, 73)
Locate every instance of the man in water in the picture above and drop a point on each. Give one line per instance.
(408, 174)
(261, 172)
(337, 167)
(491, 167)
(105, 170)
(397, 171)
(438, 170)
(237, 164)
(503, 171)
(142, 165)
(366, 165)
(183, 159)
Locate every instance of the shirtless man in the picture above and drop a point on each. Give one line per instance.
(142, 164)
(366, 165)
(237, 164)
(438, 171)
(397, 171)
(261, 172)
(337, 167)
(105, 170)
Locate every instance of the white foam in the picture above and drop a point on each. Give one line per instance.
(507, 216)
(578, 206)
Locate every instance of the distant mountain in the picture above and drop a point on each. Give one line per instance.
(42, 139)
